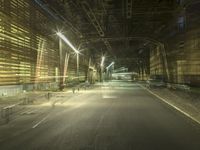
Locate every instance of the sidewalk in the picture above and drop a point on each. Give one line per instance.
(11, 106)
(186, 102)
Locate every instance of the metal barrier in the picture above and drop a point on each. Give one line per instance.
(7, 111)
(178, 87)
(79, 86)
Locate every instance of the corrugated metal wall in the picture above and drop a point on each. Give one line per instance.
(25, 53)
(29, 52)
(183, 51)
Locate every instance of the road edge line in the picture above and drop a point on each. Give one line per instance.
(37, 124)
(173, 106)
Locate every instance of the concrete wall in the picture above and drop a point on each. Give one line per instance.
(11, 90)
(184, 64)
(156, 62)
(182, 47)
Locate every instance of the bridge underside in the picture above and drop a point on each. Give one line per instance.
(149, 37)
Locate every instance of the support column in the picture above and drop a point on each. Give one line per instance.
(65, 66)
(61, 86)
(77, 59)
(163, 52)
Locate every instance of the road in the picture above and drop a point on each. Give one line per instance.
(114, 116)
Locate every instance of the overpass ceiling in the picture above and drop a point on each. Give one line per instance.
(106, 25)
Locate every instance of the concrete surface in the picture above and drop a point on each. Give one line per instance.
(186, 101)
(114, 116)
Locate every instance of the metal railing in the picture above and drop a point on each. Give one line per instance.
(8, 111)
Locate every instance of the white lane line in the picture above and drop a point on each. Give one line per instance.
(105, 87)
(37, 124)
(28, 112)
(164, 100)
(109, 96)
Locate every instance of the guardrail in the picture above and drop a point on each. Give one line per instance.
(9, 110)
(182, 87)
(178, 87)
(79, 86)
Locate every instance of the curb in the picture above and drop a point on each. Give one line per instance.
(173, 106)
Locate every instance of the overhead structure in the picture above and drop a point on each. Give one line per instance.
(67, 42)
(95, 22)
(150, 37)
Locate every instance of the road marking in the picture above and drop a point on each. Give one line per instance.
(28, 112)
(164, 100)
(105, 87)
(37, 124)
(109, 96)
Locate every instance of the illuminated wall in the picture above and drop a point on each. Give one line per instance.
(72, 68)
(188, 69)
(27, 55)
(156, 61)
(182, 44)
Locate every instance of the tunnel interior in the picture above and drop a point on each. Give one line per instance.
(149, 37)
(99, 74)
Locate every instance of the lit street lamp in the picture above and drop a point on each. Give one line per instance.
(102, 66)
(102, 61)
(67, 42)
(61, 36)
(108, 69)
(112, 63)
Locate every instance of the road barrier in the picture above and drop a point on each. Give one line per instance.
(80, 86)
(182, 87)
(7, 111)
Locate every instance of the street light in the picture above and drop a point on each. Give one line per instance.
(112, 63)
(102, 61)
(71, 46)
(67, 42)
(102, 65)
(107, 69)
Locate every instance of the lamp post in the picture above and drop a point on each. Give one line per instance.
(108, 69)
(101, 67)
(77, 65)
(61, 65)
(61, 36)
(67, 42)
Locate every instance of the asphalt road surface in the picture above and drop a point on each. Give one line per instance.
(114, 116)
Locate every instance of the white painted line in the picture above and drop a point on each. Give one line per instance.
(37, 124)
(109, 96)
(105, 87)
(164, 100)
(28, 112)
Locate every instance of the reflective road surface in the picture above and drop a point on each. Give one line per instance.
(111, 116)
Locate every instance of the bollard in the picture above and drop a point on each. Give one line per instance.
(24, 101)
(73, 90)
(48, 96)
(7, 115)
(53, 104)
(2, 113)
